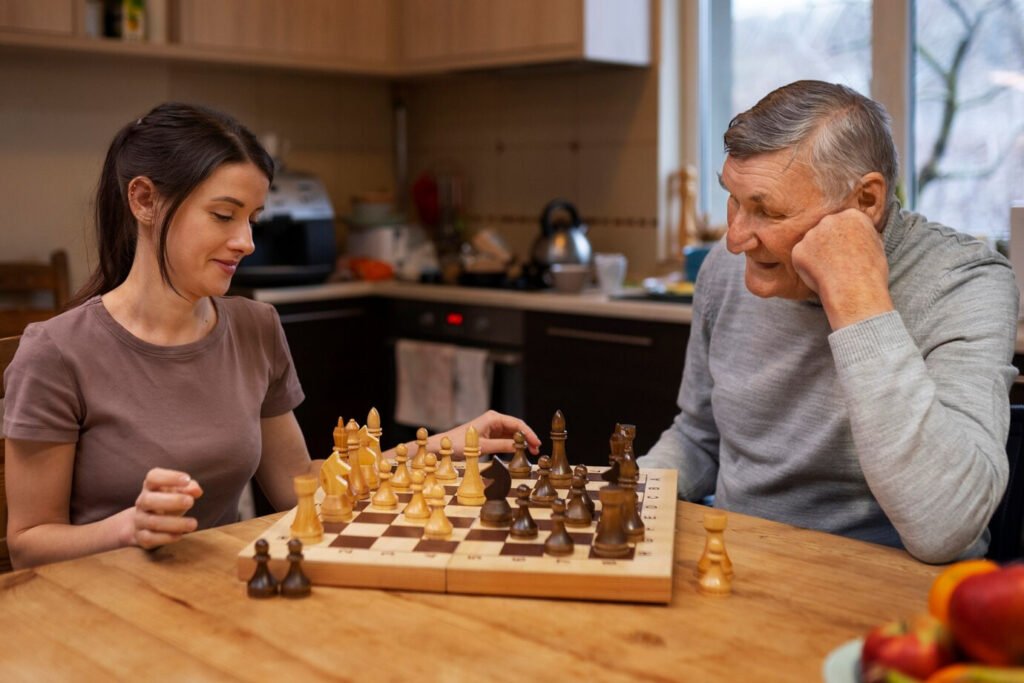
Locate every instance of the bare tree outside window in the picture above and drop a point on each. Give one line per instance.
(969, 113)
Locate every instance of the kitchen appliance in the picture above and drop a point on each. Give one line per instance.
(295, 243)
(559, 241)
(500, 331)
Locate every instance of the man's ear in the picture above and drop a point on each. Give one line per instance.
(870, 197)
(142, 199)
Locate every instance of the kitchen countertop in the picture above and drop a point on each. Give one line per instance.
(589, 302)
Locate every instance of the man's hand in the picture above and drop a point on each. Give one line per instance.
(843, 260)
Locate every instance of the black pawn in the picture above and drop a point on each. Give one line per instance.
(523, 525)
(544, 492)
(295, 584)
(520, 466)
(577, 512)
(262, 584)
(559, 543)
(581, 471)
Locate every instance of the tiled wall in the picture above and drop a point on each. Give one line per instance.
(521, 138)
(58, 113)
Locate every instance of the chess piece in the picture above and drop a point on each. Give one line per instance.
(400, 479)
(337, 503)
(520, 466)
(471, 490)
(543, 491)
(417, 507)
(420, 460)
(430, 481)
(367, 460)
(523, 525)
(611, 540)
(356, 483)
(581, 471)
(632, 523)
(577, 512)
(628, 432)
(445, 468)
(262, 584)
(559, 543)
(561, 472)
(438, 527)
(715, 522)
(306, 526)
(295, 584)
(340, 437)
(385, 496)
(375, 432)
(334, 472)
(496, 512)
(616, 444)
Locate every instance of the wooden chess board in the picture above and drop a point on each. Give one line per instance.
(380, 549)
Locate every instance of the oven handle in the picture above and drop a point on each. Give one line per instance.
(507, 358)
(609, 338)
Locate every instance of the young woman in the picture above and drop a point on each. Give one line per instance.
(138, 415)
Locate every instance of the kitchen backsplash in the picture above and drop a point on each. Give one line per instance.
(521, 138)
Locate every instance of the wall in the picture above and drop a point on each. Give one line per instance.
(59, 112)
(523, 137)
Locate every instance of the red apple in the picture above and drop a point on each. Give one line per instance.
(986, 613)
(917, 647)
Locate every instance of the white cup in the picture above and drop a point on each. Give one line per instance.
(611, 272)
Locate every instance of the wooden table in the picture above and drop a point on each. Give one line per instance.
(180, 613)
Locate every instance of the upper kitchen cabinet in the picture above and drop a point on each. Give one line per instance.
(357, 34)
(42, 16)
(438, 35)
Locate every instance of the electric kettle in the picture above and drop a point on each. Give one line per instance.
(559, 242)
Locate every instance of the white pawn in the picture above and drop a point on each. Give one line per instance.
(438, 526)
(417, 507)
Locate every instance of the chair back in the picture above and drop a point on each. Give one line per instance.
(1007, 524)
(23, 279)
(7, 348)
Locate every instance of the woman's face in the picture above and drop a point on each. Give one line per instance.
(211, 231)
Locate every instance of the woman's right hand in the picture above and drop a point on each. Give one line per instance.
(158, 517)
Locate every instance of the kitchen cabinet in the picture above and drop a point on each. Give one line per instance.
(44, 16)
(452, 34)
(353, 32)
(338, 350)
(600, 371)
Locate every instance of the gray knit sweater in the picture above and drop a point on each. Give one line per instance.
(891, 430)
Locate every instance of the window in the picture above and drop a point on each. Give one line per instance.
(959, 91)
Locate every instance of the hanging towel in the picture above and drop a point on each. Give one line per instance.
(473, 374)
(425, 391)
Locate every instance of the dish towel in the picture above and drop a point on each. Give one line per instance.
(424, 392)
(473, 376)
(440, 385)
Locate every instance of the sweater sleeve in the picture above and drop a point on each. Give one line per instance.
(690, 444)
(930, 417)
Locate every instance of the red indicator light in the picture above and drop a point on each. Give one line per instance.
(454, 319)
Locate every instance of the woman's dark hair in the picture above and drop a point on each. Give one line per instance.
(177, 146)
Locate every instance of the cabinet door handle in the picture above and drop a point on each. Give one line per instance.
(310, 316)
(606, 337)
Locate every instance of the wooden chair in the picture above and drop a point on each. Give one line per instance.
(7, 348)
(1007, 524)
(23, 279)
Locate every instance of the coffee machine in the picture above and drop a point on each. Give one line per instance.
(294, 238)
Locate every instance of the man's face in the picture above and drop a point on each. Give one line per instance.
(773, 201)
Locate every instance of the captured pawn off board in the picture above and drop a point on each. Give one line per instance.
(444, 523)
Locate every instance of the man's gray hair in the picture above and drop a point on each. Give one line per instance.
(846, 134)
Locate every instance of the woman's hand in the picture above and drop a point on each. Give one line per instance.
(496, 431)
(158, 517)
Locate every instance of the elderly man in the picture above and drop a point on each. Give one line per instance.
(849, 363)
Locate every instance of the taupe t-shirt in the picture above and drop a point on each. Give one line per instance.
(130, 406)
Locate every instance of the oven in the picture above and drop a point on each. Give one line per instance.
(498, 331)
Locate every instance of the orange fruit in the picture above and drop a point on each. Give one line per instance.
(951, 576)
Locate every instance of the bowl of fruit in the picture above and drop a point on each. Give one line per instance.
(973, 632)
